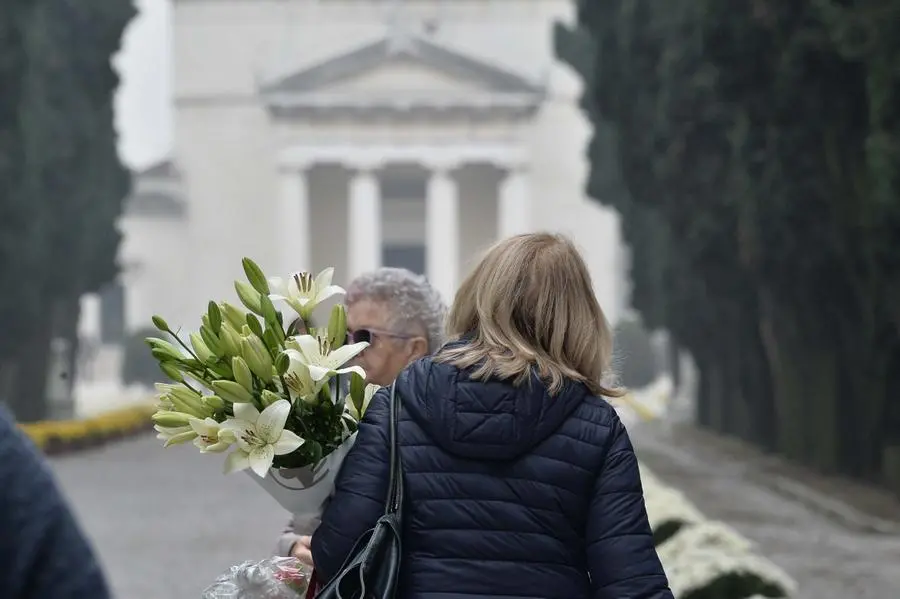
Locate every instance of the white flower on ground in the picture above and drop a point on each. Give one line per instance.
(711, 535)
(699, 568)
(302, 292)
(211, 437)
(666, 506)
(315, 354)
(260, 437)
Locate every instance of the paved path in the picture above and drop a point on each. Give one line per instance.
(830, 545)
(167, 522)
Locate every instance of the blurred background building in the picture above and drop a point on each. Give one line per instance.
(353, 134)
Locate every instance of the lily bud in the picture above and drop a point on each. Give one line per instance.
(254, 325)
(242, 373)
(258, 358)
(249, 296)
(192, 408)
(337, 327)
(282, 363)
(164, 346)
(160, 323)
(269, 397)
(185, 394)
(179, 438)
(230, 340)
(271, 339)
(232, 391)
(212, 341)
(201, 349)
(171, 371)
(256, 276)
(213, 402)
(215, 317)
(267, 308)
(171, 419)
(233, 315)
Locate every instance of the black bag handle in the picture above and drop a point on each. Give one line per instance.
(394, 498)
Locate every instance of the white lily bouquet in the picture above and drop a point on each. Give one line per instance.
(275, 392)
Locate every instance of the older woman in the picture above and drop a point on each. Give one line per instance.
(401, 316)
(520, 480)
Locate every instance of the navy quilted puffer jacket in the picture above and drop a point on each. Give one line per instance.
(509, 493)
(43, 554)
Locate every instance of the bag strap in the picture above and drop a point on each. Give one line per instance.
(395, 482)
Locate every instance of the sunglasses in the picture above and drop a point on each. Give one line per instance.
(368, 335)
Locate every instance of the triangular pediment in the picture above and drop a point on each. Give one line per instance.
(399, 67)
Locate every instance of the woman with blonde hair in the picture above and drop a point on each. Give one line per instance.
(519, 478)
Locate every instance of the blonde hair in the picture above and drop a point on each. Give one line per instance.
(529, 306)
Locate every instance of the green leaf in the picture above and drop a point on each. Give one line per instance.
(314, 451)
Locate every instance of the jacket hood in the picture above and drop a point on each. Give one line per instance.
(489, 420)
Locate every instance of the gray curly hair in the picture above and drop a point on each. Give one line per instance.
(411, 300)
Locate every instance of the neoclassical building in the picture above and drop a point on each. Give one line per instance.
(358, 133)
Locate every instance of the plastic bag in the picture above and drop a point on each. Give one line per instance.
(272, 578)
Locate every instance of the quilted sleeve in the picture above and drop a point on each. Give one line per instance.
(621, 556)
(42, 549)
(360, 490)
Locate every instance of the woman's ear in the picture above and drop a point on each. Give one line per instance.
(418, 348)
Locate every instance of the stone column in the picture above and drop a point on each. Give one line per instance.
(293, 222)
(514, 203)
(442, 231)
(364, 212)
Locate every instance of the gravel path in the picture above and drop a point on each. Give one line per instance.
(166, 523)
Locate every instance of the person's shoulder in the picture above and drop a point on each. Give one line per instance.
(17, 454)
(598, 410)
(425, 375)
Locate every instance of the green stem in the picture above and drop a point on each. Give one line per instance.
(182, 344)
(185, 383)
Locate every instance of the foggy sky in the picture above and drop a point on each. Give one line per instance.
(143, 115)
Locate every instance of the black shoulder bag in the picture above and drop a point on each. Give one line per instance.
(373, 566)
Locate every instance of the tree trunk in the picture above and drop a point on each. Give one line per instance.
(29, 401)
(8, 371)
(70, 314)
(715, 376)
(704, 402)
(890, 470)
(674, 364)
(756, 382)
(823, 412)
(865, 376)
(787, 382)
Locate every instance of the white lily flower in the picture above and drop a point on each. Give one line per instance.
(260, 437)
(302, 292)
(315, 354)
(174, 435)
(367, 399)
(300, 382)
(211, 437)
